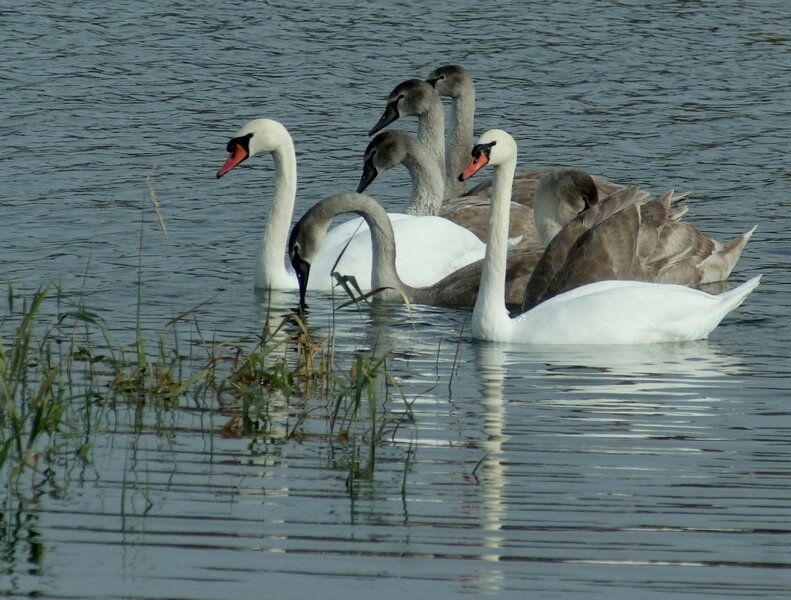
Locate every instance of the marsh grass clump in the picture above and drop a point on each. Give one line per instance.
(285, 366)
(61, 371)
(48, 389)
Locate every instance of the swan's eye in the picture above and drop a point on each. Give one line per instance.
(242, 140)
(479, 149)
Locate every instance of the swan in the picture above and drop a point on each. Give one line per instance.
(430, 247)
(457, 289)
(394, 147)
(628, 235)
(603, 312)
(416, 97)
(454, 81)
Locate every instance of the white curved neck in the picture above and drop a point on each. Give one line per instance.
(463, 116)
(427, 185)
(489, 316)
(431, 131)
(270, 271)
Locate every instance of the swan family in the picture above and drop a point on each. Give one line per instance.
(543, 256)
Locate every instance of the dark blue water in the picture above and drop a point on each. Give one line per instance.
(661, 472)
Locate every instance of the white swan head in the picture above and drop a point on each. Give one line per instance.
(451, 81)
(258, 136)
(495, 147)
(409, 98)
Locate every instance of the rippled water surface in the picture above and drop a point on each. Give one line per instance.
(659, 472)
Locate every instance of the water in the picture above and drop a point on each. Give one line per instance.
(560, 473)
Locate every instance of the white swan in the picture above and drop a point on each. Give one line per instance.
(627, 235)
(605, 312)
(429, 247)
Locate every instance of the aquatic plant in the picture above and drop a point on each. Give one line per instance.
(48, 389)
(361, 417)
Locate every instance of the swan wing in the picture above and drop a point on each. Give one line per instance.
(427, 249)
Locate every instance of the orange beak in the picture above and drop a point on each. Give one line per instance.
(238, 155)
(476, 165)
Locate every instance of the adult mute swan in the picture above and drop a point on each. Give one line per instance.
(628, 235)
(604, 312)
(429, 247)
(457, 289)
(394, 147)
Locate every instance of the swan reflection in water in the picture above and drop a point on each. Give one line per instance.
(567, 404)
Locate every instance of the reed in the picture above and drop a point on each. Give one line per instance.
(362, 418)
(48, 392)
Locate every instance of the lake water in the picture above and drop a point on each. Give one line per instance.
(659, 472)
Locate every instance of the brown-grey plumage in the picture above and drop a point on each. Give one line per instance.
(415, 97)
(629, 235)
(396, 147)
(457, 289)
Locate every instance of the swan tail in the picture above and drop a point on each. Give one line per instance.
(732, 298)
(669, 199)
(718, 265)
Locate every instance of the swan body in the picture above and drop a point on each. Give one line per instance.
(617, 312)
(604, 312)
(432, 247)
(628, 235)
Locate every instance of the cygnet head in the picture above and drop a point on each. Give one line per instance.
(411, 97)
(387, 150)
(256, 137)
(450, 80)
(495, 147)
(303, 244)
(572, 190)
